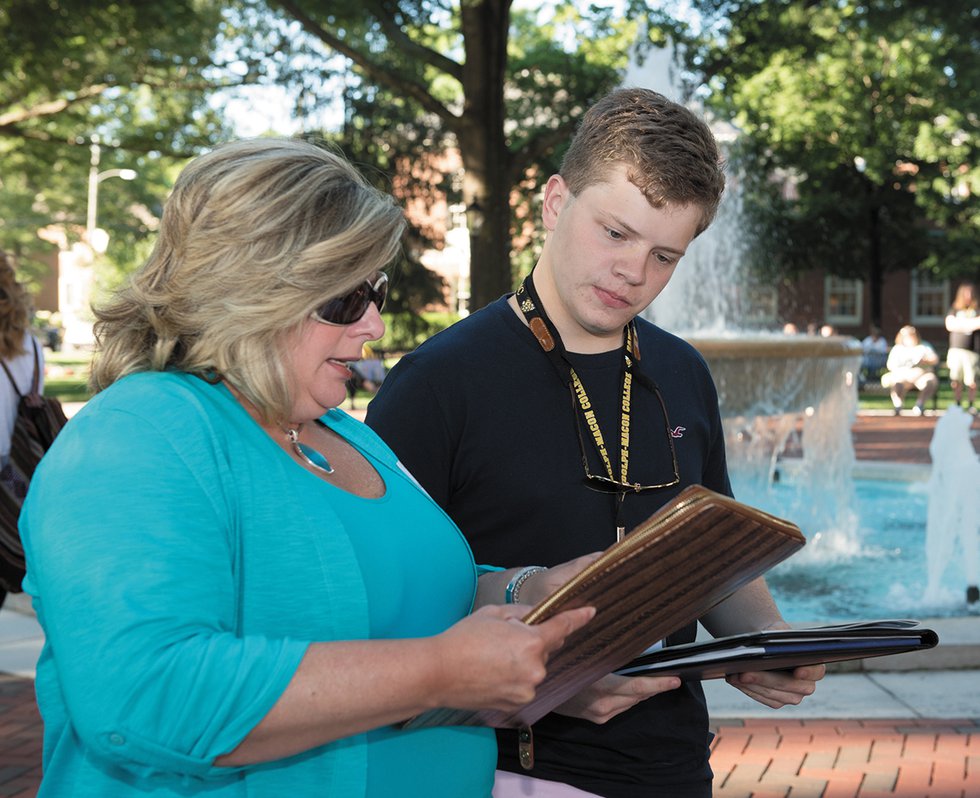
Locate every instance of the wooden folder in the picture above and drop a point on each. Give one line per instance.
(669, 571)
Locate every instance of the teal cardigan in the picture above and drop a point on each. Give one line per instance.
(179, 567)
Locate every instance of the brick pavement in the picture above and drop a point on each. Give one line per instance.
(752, 758)
(921, 758)
(20, 738)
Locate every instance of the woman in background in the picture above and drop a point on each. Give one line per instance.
(963, 357)
(20, 354)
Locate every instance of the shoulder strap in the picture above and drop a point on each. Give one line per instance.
(37, 366)
(34, 379)
(11, 378)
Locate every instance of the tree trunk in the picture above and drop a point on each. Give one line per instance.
(875, 276)
(486, 159)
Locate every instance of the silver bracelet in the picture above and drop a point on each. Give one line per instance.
(518, 579)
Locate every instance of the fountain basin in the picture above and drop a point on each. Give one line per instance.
(766, 374)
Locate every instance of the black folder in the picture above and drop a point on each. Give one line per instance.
(782, 649)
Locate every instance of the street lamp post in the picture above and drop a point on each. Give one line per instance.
(94, 178)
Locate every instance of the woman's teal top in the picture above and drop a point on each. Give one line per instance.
(180, 563)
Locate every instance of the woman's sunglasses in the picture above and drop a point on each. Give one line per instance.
(351, 307)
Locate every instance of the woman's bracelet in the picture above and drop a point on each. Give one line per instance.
(511, 594)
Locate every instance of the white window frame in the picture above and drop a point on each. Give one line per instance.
(916, 291)
(843, 285)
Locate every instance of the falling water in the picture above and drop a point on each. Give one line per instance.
(774, 390)
(953, 519)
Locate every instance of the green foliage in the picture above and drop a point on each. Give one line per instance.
(401, 80)
(135, 75)
(868, 113)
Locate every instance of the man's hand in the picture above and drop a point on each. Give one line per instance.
(612, 694)
(776, 689)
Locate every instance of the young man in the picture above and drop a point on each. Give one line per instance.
(495, 418)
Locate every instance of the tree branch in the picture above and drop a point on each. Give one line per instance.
(51, 107)
(376, 72)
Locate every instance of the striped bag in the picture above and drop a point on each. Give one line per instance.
(39, 420)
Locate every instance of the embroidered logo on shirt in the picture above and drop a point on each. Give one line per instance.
(678, 432)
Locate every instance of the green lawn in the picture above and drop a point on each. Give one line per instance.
(66, 376)
(67, 380)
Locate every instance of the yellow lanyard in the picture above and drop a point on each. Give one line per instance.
(550, 341)
(624, 424)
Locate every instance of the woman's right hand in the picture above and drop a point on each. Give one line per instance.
(492, 660)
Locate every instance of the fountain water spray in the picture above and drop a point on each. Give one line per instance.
(953, 519)
(770, 385)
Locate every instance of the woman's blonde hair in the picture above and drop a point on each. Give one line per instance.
(966, 297)
(254, 236)
(15, 311)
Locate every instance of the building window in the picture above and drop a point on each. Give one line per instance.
(930, 299)
(843, 300)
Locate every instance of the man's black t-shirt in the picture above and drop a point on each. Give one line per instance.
(484, 421)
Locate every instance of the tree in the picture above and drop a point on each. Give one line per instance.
(418, 75)
(411, 77)
(135, 75)
(858, 131)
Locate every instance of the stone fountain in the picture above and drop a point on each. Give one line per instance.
(773, 388)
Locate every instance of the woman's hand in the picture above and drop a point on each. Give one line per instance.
(612, 694)
(492, 660)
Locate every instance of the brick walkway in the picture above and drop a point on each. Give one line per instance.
(847, 759)
(20, 738)
(753, 758)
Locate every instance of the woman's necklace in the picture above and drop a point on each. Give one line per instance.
(307, 454)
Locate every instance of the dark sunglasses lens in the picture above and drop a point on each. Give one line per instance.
(349, 308)
(601, 485)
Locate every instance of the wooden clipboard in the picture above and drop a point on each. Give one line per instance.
(670, 570)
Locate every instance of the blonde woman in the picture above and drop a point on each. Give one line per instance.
(963, 324)
(242, 591)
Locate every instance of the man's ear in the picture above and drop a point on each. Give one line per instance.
(556, 195)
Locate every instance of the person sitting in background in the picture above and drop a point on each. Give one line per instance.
(911, 365)
(874, 355)
(242, 590)
(963, 357)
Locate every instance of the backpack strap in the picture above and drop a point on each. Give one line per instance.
(11, 378)
(37, 367)
(34, 379)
